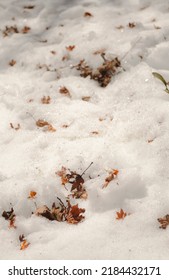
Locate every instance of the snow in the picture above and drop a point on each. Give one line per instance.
(123, 126)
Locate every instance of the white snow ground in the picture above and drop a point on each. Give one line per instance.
(127, 114)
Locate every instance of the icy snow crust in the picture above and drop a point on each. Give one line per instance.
(132, 131)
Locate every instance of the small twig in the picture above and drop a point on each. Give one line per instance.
(86, 169)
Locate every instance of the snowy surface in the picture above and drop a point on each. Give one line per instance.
(123, 126)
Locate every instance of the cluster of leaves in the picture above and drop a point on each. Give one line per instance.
(14, 29)
(72, 214)
(103, 73)
(76, 180)
(161, 78)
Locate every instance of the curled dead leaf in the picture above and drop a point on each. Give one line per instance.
(23, 242)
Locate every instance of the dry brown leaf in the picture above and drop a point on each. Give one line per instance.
(12, 62)
(41, 123)
(100, 51)
(23, 242)
(29, 7)
(86, 98)
(63, 90)
(10, 216)
(95, 132)
(63, 174)
(10, 30)
(12, 223)
(164, 221)
(132, 24)
(46, 100)
(87, 14)
(16, 127)
(53, 52)
(112, 175)
(121, 215)
(51, 128)
(32, 194)
(25, 29)
(74, 215)
(70, 48)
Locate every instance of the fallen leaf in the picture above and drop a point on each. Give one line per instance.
(120, 27)
(70, 48)
(121, 215)
(29, 7)
(12, 223)
(41, 123)
(51, 128)
(46, 100)
(74, 215)
(63, 174)
(32, 194)
(63, 90)
(112, 175)
(12, 62)
(87, 14)
(164, 221)
(131, 24)
(86, 98)
(23, 242)
(25, 29)
(10, 216)
(95, 132)
(53, 52)
(100, 51)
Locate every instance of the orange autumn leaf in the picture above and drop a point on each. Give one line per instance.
(70, 48)
(24, 244)
(32, 194)
(121, 215)
(112, 175)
